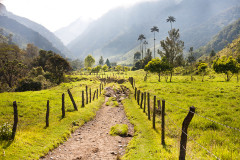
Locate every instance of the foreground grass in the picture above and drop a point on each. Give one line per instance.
(214, 99)
(33, 140)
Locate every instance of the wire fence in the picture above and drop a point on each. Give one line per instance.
(169, 119)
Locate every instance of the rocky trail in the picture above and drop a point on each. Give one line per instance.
(92, 140)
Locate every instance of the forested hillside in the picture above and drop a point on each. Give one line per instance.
(222, 39)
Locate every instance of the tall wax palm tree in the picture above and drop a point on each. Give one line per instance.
(171, 19)
(145, 44)
(140, 38)
(154, 29)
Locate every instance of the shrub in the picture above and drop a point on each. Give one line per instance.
(28, 85)
(5, 131)
(119, 129)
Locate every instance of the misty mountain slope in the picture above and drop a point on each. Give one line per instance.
(56, 42)
(73, 30)
(23, 35)
(221, 40)
(117, 31)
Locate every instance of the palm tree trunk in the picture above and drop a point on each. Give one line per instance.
(154, 44)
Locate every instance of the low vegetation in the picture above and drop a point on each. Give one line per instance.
(119, 129)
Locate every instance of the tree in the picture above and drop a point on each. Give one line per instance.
(57, 66)
(227, 66)
(212, 54)
(105, 68)
(137, 56)
(42, 59)
(157, 66)
(96, 69)
(172, 48)
(118, 68)
(108, 63)
(145, 44)
(202, 69)
(154, 29)
(171, 19)
(32, 51)
(89, 61)
(101, 61)
(11, 66)
(76, 64)
(141, 37)
(191, 58)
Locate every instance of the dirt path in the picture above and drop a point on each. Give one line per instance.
(92, 140)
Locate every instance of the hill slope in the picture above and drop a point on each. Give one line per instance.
(116, 32)
(222, 39)
(56, 42)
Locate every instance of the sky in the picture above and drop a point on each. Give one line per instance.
(55, 14)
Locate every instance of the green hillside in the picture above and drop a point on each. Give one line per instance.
(221, 40)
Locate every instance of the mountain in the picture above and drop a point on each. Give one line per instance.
(221, 40)
(116, 32)
(232, 49)
(51, 38)
(73, 30)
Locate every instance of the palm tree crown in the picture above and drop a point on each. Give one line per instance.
(141, 37)
(171, 19)
(154, 29)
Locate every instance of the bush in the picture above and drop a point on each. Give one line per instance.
(5, 131)
(28, 85)
(119, 129)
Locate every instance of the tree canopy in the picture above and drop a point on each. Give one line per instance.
(89, 61)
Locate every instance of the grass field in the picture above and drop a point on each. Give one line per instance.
(33, 139)
(214, 99)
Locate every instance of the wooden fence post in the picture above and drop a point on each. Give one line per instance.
(15, 112)
(94, 95)
(145, 96)
(154, 112)
(159, 106)
(86, 94)
(141, 100)
(47, 114)
(163, 122)
(90, 98)
(82, 98)
(135, 93)
(100, 91)
(138, 96)
(149, 118)
(97, 93)
(63, 106)
(73, 102)
(185, 124)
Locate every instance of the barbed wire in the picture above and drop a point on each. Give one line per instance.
(192, 138)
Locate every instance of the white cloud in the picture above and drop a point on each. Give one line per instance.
(55, 14)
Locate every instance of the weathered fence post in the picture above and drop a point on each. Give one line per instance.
(86, 94)
(100, 91)
(145, 96)
(163, 122)
(73, 102)
(159, 106)
(82, 98)
(138, 96)
(97, 93)
(185, 124)
(94, 95)
(135, 93)
(141, 100)
(149, 118)
(90, 98)
(154, 111)
(63, 106)
(47, 114)
(15, 112)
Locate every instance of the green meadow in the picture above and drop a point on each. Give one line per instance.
(33, 139)
(213, 99)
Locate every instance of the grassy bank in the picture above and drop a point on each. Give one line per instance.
(33, 139)
(214, 99)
